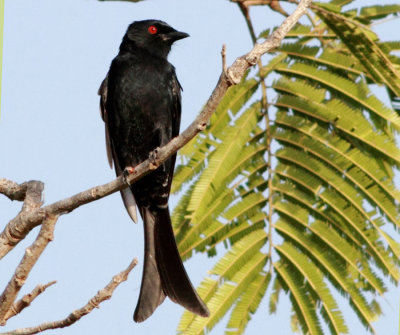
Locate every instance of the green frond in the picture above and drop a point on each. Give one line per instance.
(224, 295)
(356, 224)
(308, 90)
(345, 119)
(234, 259)
(357, 93)
(187, 240)
(232, 232)
(246, 208)
(390, 46)
(378, 12)
(234, 99)
(318, 209)
(339, 183)
(333, 242)
(332, 270)
(365, 48)
(226, 269)
(331, 7)
(224, 157)
(247, 304)
(267, 69)
(300, 298)
(351, 160)
(300, 30)
(198, 150)
(274, 297)
(250, 159)
(326, 180)
(394, 245)
(178, 217)
(188, 169)
(213, 179)
(341, 3)
(330, 58)
(332, 150)
(228, 293)
(209, 221)
(314, 278)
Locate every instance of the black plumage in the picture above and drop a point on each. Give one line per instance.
(141, 107)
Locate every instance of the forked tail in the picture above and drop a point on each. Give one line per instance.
(163, 272)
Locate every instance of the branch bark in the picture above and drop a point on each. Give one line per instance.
(26, 300)
(101, 295)
(16, 230)
(21, 273)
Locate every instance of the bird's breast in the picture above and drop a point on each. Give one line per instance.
(140, 109)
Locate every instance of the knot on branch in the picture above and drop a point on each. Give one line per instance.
(232, 77)
(252, 59)
(201, 126)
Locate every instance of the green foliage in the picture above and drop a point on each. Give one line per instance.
(301, 196)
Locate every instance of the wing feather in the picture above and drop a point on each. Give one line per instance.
(127, 195)
(103, 112)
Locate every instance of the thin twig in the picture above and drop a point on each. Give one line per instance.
(26, 300)
(223, 56)
(101, 295)
(21, 273)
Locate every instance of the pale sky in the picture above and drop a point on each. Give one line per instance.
(56, 54)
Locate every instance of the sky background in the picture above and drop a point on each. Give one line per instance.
(56, 53)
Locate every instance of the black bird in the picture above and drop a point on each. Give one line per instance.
(141, 106)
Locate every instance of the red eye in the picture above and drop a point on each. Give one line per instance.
(152, 30)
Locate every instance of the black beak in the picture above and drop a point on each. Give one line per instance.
(175, 35)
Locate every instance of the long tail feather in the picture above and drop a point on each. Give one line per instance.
(164, 273)
(175, 281)
(151, 292)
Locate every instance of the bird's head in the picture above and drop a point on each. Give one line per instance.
(154, 36)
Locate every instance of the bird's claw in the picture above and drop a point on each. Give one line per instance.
(153, 157)
(127, 172)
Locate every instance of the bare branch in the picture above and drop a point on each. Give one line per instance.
(26, 300)
(21, 273)
(16, 230)
(232, 76)
(102, 295)
(13, 190)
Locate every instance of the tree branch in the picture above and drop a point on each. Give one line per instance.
(101, 295)
(31, 194)
(21, 273)
(26, 300)
(12, 190)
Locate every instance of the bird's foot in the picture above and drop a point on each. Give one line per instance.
(127, 172)
(153, 157)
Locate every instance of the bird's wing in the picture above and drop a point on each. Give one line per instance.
(176, 99)
(176, 120)
(103, 112)
(127, 195)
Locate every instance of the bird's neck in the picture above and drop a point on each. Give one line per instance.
(128, 46)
